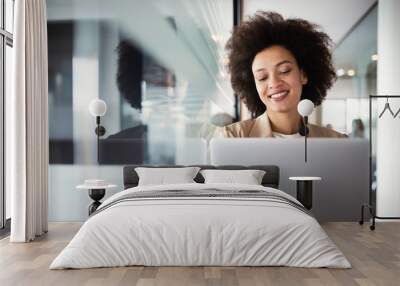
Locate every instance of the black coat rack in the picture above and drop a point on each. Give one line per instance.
(371, 206)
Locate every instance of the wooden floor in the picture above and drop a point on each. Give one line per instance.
(375, 257)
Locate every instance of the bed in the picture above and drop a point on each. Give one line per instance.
(201, 224)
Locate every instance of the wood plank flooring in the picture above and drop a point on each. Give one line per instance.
(375, 257)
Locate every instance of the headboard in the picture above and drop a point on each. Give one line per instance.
(270, 179)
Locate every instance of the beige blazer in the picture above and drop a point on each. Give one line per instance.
(260, 127)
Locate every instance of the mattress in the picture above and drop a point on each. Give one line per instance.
(201, 225)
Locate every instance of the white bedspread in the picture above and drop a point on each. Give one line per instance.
(200, 231)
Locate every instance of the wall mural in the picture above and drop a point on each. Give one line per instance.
(157, 102)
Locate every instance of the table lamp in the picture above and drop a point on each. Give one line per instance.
(98, 108)
(305, 108)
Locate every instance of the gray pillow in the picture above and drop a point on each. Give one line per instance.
(248, 177)
(163, 176)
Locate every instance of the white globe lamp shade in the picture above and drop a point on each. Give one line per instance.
(97, 107)
(305, 107)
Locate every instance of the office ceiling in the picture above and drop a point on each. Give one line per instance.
(336, 17)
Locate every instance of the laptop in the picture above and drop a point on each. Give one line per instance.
(343, 165)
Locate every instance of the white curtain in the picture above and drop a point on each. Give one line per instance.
(27, 122)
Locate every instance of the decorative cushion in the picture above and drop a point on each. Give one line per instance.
(248, 177)
(162, 176)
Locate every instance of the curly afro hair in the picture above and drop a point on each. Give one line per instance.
(309, 46)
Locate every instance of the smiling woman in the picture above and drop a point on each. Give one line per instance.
(275, 63)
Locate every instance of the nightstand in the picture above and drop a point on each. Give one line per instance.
(96, 193)
(304, 190)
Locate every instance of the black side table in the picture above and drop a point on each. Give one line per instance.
(96, 193)
(304, 190)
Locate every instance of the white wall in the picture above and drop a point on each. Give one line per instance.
(388, 129)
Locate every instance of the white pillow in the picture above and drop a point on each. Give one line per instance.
(248, 177)
(162, 176)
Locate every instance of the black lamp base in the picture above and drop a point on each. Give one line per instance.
(96, 195)
(100, 130)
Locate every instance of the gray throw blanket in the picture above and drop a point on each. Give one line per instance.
(205, 194)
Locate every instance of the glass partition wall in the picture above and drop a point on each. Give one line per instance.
(158, 65)
(346, 108)
(355, 59)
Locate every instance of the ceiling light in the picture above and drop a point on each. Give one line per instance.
(351, 72)
(374, 57)
(340, 72)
